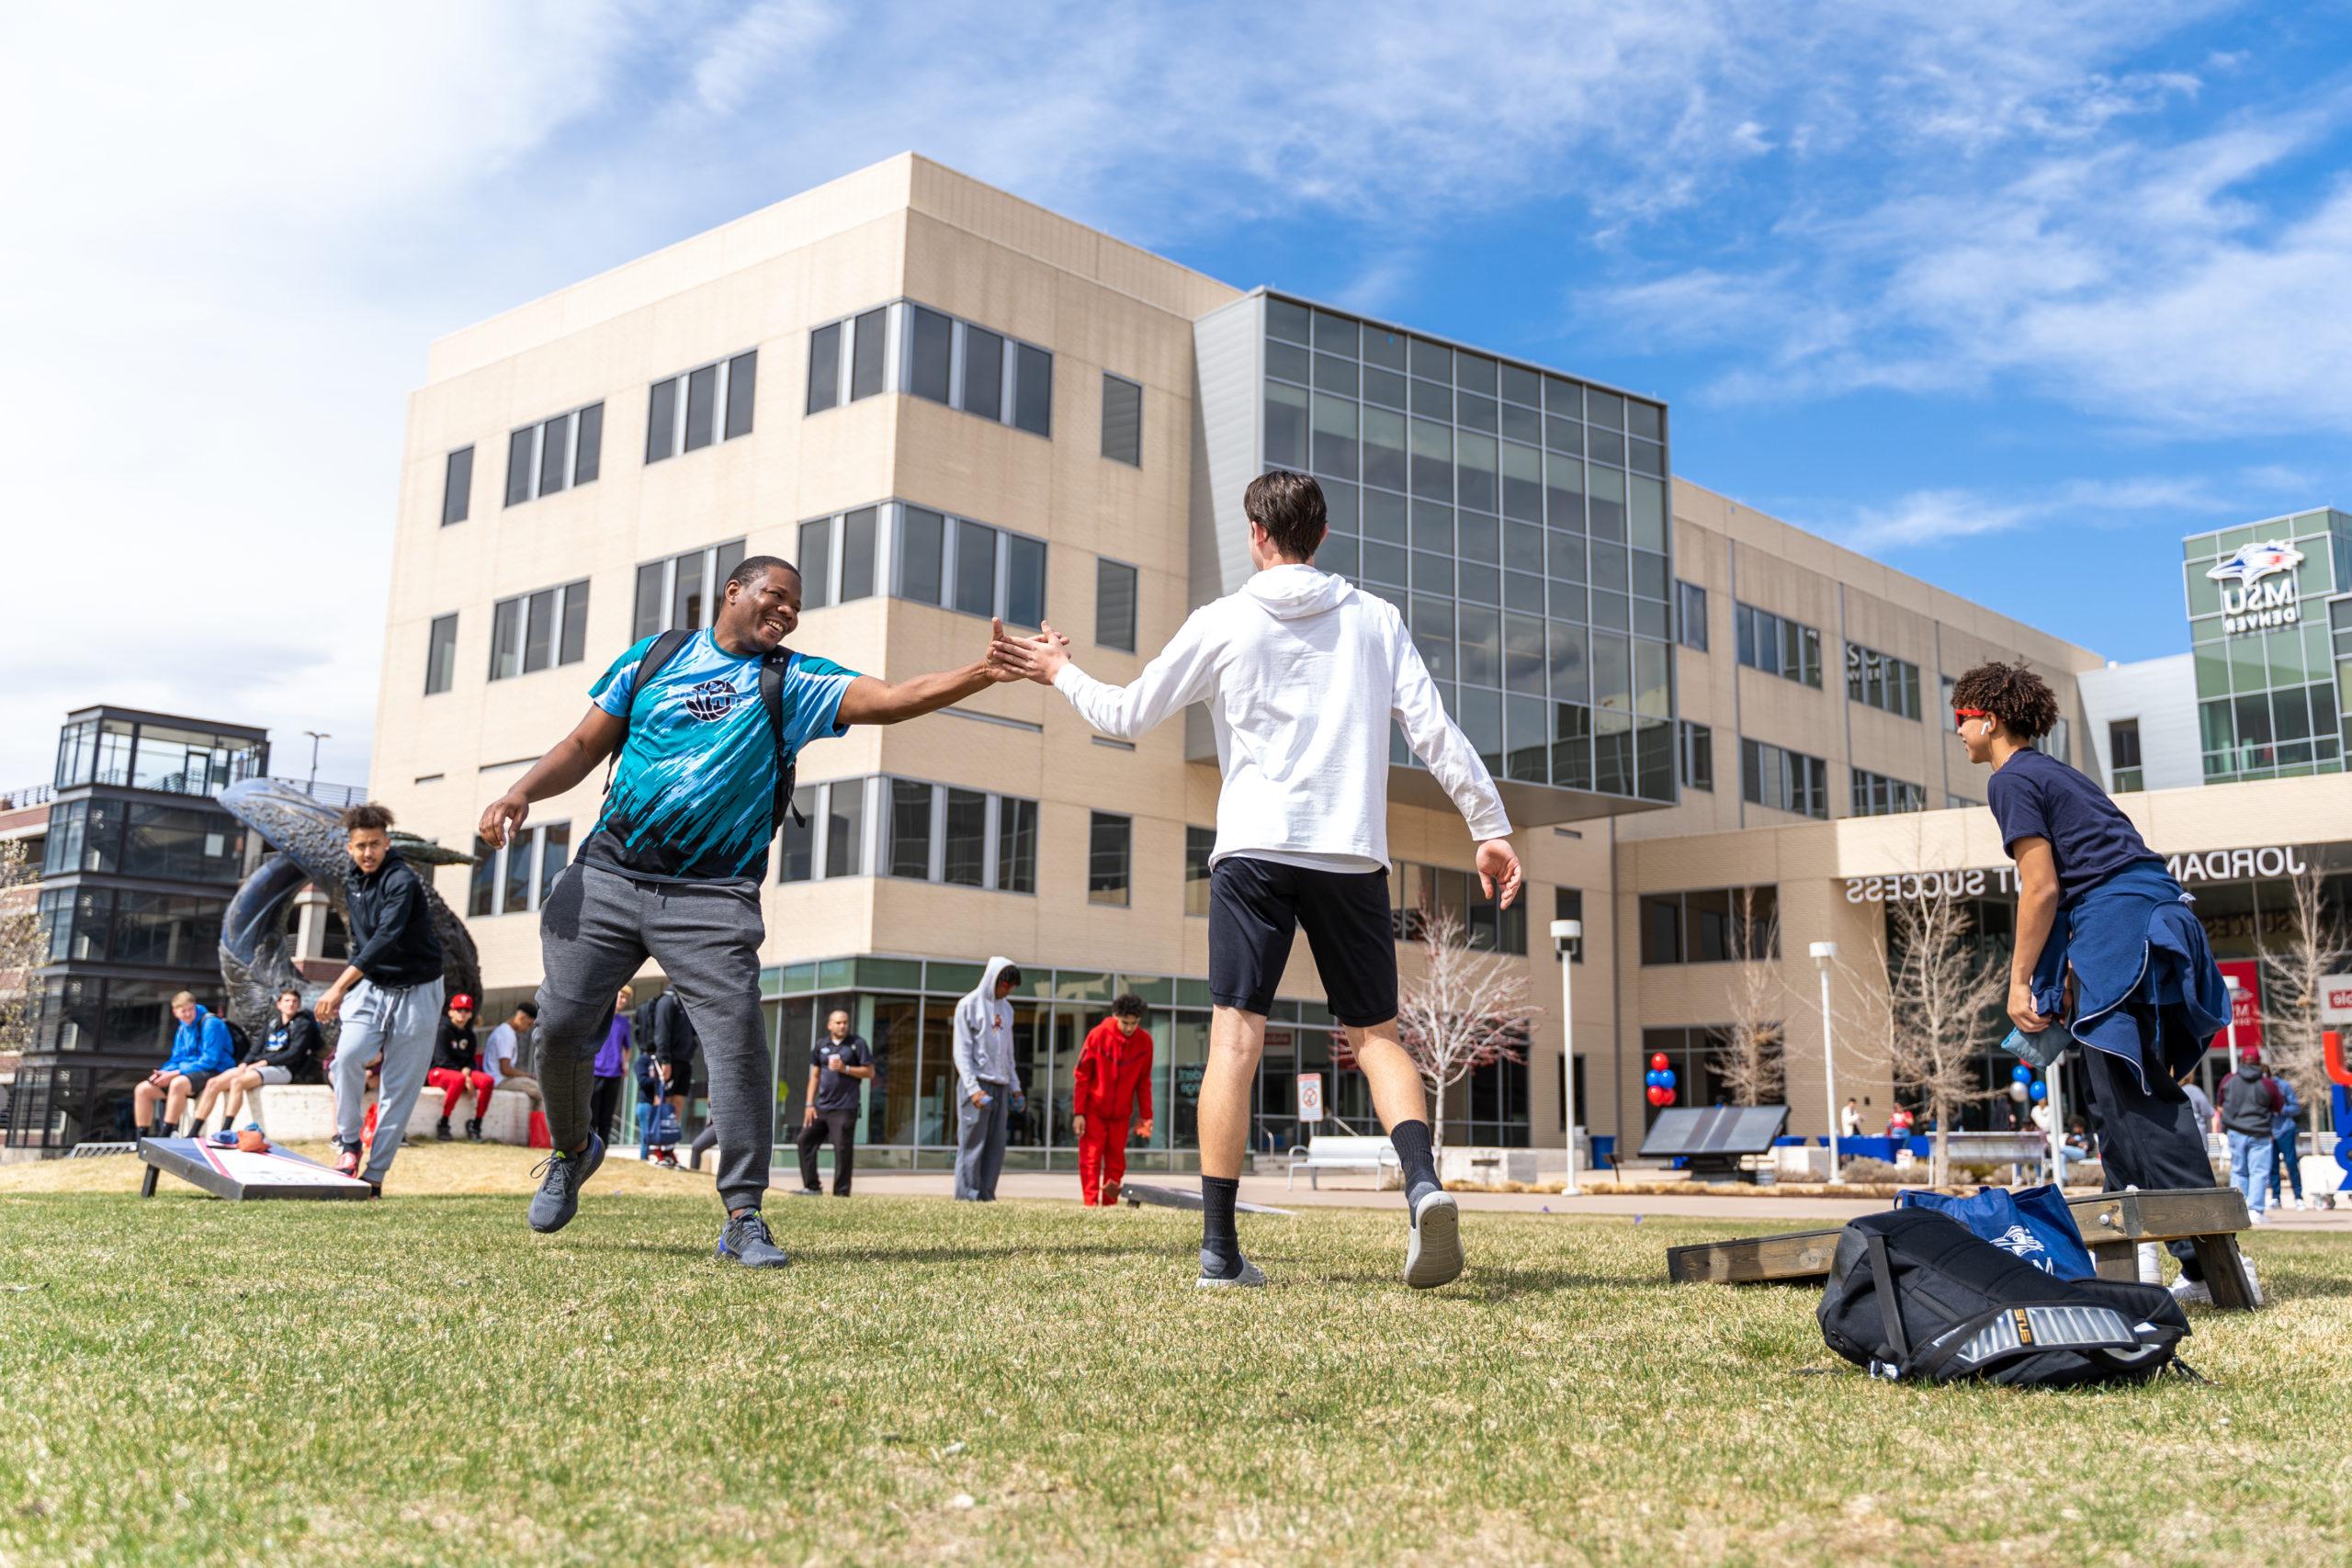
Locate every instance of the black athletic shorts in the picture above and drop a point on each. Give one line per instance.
(1256, 906)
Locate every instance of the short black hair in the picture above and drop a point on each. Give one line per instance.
(365, 815)
(1008, 975)
(529, 1010)
(2021, 699)
(1289, 507)
(750, 569)
(290, 991)
(1127, 1005)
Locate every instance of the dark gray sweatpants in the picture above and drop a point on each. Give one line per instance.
(597, 928)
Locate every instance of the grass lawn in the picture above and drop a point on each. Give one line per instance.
(422, 1379)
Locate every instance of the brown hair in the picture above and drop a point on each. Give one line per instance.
(367, 814)
(1289, 507)
(2021, 699)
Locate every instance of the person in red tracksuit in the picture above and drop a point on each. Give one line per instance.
(1113, 1073)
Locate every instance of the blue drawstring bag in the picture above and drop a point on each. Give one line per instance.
(2031, 1224)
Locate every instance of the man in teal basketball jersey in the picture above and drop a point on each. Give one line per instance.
(673, 869)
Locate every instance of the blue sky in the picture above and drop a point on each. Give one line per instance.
(2009, 295)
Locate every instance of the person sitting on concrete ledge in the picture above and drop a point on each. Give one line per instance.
(288, 1054)
(456, 1067)
(200, 1047)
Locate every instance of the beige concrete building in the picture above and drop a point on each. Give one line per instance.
(946, 402)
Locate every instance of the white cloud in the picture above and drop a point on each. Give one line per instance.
(1923, 519)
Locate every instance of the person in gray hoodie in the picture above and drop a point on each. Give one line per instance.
(1305, 678)
(988, 1086)
(2249, 1103)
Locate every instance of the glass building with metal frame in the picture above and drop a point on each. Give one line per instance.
(2270, 621)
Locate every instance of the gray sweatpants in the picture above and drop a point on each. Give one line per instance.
(401, 1024)
(597, 928)
(980, 1132)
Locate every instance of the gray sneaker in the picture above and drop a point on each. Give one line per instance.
(561, 1176)
(746, 1241)
(1251, 1277)
(1433, 1252)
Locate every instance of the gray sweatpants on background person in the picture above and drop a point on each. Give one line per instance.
(596, 930)
(400, 1022)
(980, 1132)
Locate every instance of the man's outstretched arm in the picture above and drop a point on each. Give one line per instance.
(1180, 675)
(592, 741)
(872, 700)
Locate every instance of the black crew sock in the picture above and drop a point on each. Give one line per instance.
(1220, 1244)
(1413, 1152)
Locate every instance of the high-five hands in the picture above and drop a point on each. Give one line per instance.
(1038, 659)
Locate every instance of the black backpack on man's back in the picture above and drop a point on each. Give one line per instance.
(1914, 1294)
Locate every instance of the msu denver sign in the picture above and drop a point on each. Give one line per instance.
(2251, 603)
(2213, 865)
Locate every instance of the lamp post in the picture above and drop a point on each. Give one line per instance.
(316, 736)
(1822, 951)
(1563, 933)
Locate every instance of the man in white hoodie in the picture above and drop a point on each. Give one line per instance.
(988, 1086)
(1303, 676)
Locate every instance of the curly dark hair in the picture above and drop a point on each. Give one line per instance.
(368, 815)
(2021, 699)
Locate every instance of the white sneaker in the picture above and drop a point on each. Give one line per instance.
(2259, 1216)
(2151, 1263)
(1433, 1248)
(2197, 1292)
(1251, 1278)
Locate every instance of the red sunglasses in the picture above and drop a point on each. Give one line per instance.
(1957, 714)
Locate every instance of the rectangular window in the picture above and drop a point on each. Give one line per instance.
(1025, 582)
(457, 487)
(1691, 615)
(683, 412)
(1694, 755)
(1777, 646)
(554, 455)
(1122, 419)
(1033, 389)
(964, 837)
(816, 563)
(824, 368)
(1016, 845)
(1109, 845)
(846, 828)
(1783, 780)
(921, 541)
(964, 863)
(797, 863)
(909, 850)
(440, 654)
(1114, 605)
(671, 594)
(531, 631)
(979, 583)
(869, 354)
(2124, 772)
(975, 569)
(857, 554)
(518, 878)
(1568, 904)
(938, 358)
(930, 353)
(1416, 891)
(1199, 844)
(1711, 925)
(1874, 795)
(1882, 681)
(983, 373)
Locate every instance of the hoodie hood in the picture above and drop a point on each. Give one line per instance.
(1290, 591)
(987, 991)
(2249, 1070)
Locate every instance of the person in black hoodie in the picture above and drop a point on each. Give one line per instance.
(288, 1054)
(393, 987)
(456, 1067)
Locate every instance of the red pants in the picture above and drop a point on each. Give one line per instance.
(452, 1083)
(1102, 1159)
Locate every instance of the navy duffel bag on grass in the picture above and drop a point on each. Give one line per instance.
(2032, 1224)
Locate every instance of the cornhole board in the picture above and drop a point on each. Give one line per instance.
(1139, 1193)
(239, 1176)
(2113, 1225)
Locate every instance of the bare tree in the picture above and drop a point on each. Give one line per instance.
(1943, 996)
(1751, 1055)
(1464, 1011)
(24, 947)
(2314, 946)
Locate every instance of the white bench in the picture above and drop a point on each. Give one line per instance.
(1340, 1152)
(304, 1114)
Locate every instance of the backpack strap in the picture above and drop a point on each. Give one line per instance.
(773, 670)
(656, 658)
(1890, 1313)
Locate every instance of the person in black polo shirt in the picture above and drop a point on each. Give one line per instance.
(836, 1064)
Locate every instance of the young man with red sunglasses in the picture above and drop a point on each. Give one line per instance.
(2106, 946)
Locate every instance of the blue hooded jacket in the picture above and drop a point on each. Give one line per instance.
(201, 1045)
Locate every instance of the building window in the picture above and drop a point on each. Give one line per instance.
(1110, 842)
(1875, 794)
(1418, 891)
(1122, 419)
(1199, 844)
(937, 358)
(2057, 743)
(531, 631)
(797, 863)
(1715, 925)
(1691, 615)
(1882, 681)
(1568, 904)
(1016, 845)
(683, 592)
(440, 654)
(553, 454)
(964, 837)
(696, 408)
(969, 567)
(1777, 645)
(1694, 755)
(837, 558)
(516, 879)
(1114, 605)
(1783, 780)
(457, 487)
(1958, 802)
(2124, 773)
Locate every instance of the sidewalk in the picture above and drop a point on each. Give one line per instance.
(1767, 1212)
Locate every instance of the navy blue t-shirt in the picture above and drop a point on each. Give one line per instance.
(2035, 795)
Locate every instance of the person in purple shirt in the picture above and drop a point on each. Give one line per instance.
(611, 1068)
